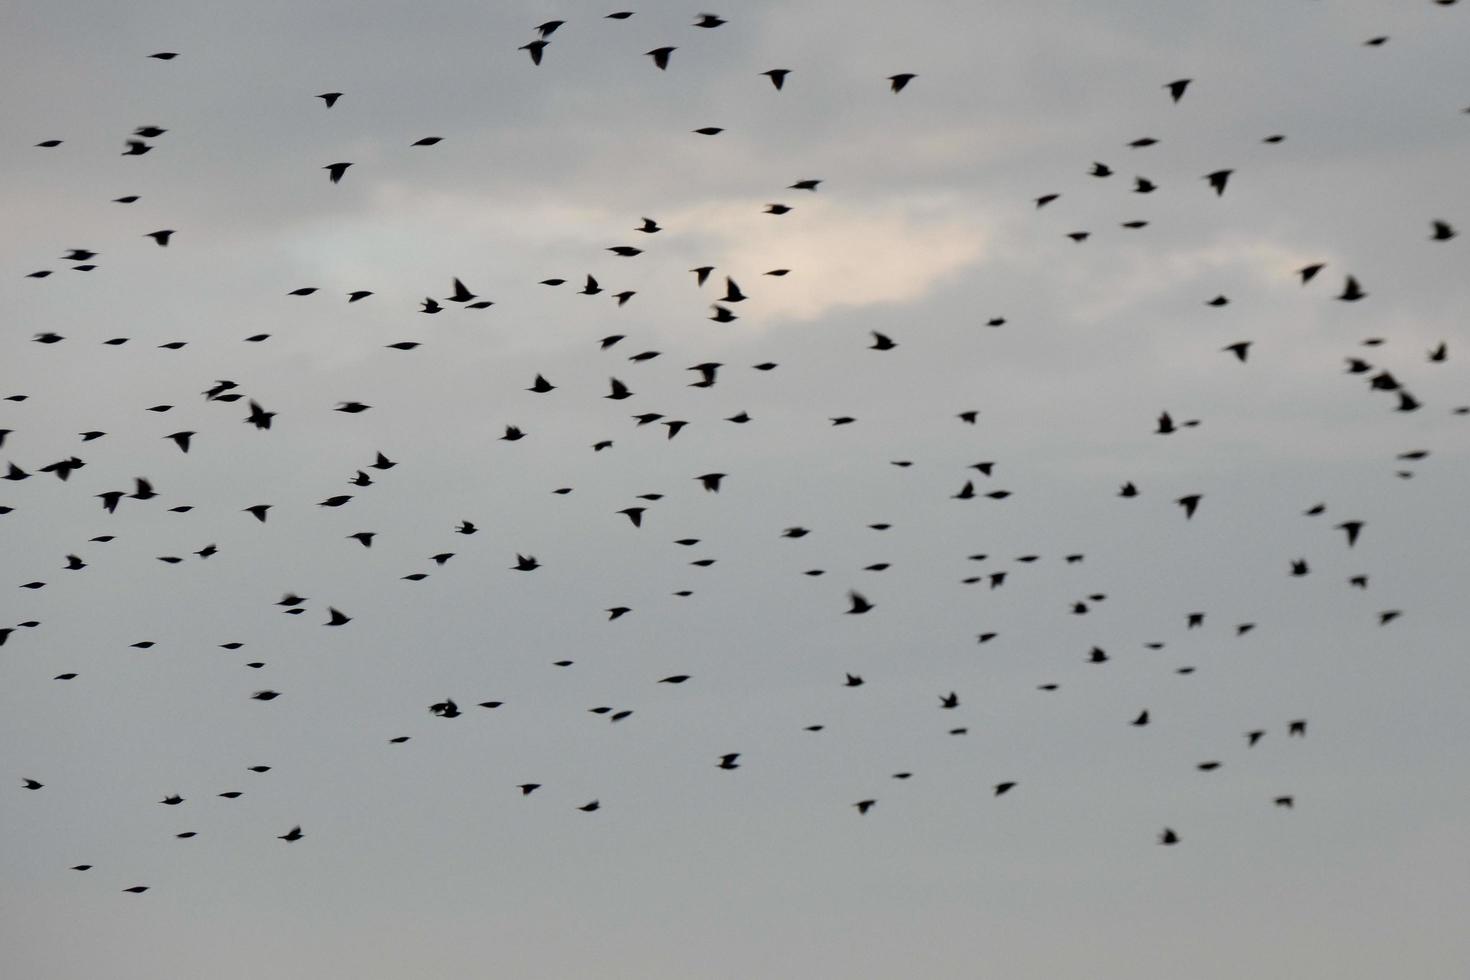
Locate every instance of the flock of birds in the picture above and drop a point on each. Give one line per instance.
(119, 494)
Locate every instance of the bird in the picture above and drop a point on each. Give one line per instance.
(1441, 231)
(135, 148)
(634, 515)
(707, 372)
(727, 761)
(1351, 291)
(336, 170)
(1308, 272)
(536, 48)
(711, 481)
(777, 76)
(881, 341)
(709, 21)
(863, 806)
(660, 57)
(1239, 349)
(1190, 503)
(1218, 179)
(161, 237)
(859, 604)
(1168, 836)
(293, 834)
(330, 98)
(1352, 530)
(461, 293)
(897, 83)
(258, 416)
(1177, 88)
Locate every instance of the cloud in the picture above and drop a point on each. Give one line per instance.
(842, 254)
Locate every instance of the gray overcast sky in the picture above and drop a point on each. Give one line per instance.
(422, 858)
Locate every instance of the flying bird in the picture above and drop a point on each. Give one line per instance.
(536, 48)
(1218, 179)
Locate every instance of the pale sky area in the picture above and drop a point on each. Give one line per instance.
(422, 858)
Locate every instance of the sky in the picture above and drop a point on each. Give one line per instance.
(423, 857)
